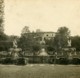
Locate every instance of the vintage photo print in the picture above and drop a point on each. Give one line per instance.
(39, 38)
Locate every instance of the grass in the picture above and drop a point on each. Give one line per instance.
(40, 71)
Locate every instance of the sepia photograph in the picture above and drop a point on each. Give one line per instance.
(39, 38)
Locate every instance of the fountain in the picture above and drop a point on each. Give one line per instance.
(44, 55)
(14, 51)
(43, 52)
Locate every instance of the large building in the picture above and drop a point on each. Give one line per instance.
(39, 35)
(45, 35)
(42, 36)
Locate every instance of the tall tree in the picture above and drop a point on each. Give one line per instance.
(3, 36)
(28, 42)
(61, 37)
(1, 16)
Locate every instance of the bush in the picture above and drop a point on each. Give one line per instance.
(7, 61)
(63, 61)
(21, 61)
(76, 61)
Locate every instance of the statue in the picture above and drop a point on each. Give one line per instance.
(15, 43)
(69, 43)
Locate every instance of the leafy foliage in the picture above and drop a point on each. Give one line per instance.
(76, 42)
(28, 42)
(50, 44)
(3, 37)
(25, 30)
(61, 37)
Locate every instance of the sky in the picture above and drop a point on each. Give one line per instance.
(47, 15)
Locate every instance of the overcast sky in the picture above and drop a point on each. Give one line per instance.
(46, 15)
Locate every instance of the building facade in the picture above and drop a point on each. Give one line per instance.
(42, 36)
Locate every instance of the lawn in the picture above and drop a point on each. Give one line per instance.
(40, 71)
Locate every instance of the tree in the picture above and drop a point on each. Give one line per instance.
(12, 37)
(76, 42)
(1, 26)
(61, 37)
(25, 30)
(1, 16)
(28, 42)
(3, 36)
(49, 44)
